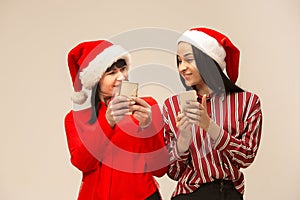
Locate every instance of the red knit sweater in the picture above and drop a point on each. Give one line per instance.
(116, 163)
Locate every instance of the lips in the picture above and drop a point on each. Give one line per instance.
(186, 76)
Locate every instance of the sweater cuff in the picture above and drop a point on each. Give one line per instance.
(222, 141)
(106, 126)
(181, 156)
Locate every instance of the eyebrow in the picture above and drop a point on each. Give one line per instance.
(188, 54)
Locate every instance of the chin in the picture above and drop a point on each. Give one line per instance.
(188, 83)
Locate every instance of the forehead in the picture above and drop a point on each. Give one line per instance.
(184, 48)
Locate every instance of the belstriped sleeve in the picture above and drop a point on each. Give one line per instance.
(242, 148)
(178, 162)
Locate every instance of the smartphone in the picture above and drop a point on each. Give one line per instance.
(184, 97)
(129, 89)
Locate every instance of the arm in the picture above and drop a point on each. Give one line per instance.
(77, 132)
(243, 148)
(157, 158)
(179, 161)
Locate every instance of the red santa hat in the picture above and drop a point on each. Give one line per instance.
(217, 46)
(87, 63)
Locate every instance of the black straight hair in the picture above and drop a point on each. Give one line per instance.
(95, 99)
(212, 74)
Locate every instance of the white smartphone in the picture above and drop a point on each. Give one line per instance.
(184, 97)
(129, 89)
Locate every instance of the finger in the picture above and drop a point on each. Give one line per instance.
(119, 106)
(119, 99)
(193, 117)
(140, 116)
(139, 108)
(186, 123)
(182, 121)
(179, 116)
(118, 118)
(203, 102)
(192, 110)
(141, 102)
(192, 104)
(121, 112)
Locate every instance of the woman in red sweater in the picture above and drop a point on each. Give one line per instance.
(118, 153)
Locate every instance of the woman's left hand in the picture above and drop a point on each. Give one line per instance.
(141, 111)
(197, 113)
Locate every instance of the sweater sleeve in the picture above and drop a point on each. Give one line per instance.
(242, 149)
(157, 158)
(178, 163)
(85, 142)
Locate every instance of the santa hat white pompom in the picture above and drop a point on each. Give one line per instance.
(79, 97)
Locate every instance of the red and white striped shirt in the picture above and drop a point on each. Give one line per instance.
(239, 116)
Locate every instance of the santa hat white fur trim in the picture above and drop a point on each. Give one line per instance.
(93, 72)
(209, 45)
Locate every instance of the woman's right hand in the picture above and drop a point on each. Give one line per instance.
(185, 133)
(117, 108)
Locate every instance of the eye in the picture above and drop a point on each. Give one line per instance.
(189, 59)
(112, 72)
(179, 60)
(124, 68)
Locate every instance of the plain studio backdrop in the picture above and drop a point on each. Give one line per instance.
(36, 36)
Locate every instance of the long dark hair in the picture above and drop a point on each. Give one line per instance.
(95, 98)
(212, 74)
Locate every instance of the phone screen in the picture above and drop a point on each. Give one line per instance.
(187, 96)
(129, 89)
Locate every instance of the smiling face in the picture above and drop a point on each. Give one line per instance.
(187, 65)
(111, 80)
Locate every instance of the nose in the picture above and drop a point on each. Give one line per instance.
(122, 76)
(182, 66)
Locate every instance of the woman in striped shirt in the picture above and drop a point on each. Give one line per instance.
(212, 138)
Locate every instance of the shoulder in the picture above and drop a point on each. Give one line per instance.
(246, 96)
(149, 100)
(171, 99)
(69, 116)
(248, 101)
(252, 97)
(171, 104)
(82, 115)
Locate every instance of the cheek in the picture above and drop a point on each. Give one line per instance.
(125, 74)
(105, 84)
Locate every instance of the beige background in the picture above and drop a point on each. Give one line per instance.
(36, 35)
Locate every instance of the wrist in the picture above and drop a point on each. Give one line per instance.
(145, 124)
(110, 121)
(111, 124)
(183, 144)
(213, 130)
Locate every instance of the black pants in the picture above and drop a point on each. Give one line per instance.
(217, 190)
(154, 196)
